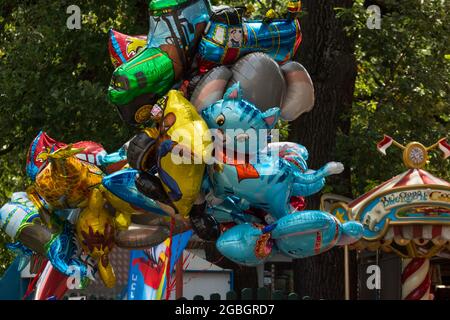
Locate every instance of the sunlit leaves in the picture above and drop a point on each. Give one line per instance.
(55, 79)
(401, 90)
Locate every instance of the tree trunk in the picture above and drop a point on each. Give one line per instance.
(328, 55)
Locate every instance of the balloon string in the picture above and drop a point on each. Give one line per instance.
(168, 271)
(186, 263)
(32, 283)
(172, 285)
(217, 261)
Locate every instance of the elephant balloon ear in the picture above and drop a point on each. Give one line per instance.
(299, 96)
(233, 93)
(211, 87)
(261, 80)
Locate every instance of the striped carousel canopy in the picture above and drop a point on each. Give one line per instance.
(410, 178)
(408, 214)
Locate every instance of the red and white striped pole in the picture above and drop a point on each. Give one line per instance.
(416, 279)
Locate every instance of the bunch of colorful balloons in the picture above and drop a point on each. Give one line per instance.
(207, 87)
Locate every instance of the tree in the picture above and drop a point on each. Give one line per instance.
(327, 52)
(55, 79)
(401, 90)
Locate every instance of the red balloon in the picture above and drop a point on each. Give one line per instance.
(298, 203)
(43, 143)
(90, 152)
(51, 285)
(123, 47)
(40, 144)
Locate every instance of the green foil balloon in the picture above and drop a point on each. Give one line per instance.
(136, 84)
(156, 6)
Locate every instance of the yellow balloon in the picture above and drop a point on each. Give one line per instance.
(123, 209)
(66, 181)
(95, 231)
(185, 164)
(189, 129)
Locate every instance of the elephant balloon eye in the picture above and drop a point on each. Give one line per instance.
(220, 120)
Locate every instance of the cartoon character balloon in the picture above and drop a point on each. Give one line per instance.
(265, 177)
(175, 29)
(229, 36)
(263, 82)
(67, 180)
(176, 149)
(186, 40)
(123, 47)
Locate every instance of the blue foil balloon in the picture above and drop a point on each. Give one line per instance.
(63, 253)
(228, 37)
(20, 220)
(245, 244)
(122, 184)
(263, 182)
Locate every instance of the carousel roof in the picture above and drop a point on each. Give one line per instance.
(408, 214)
(412, 177)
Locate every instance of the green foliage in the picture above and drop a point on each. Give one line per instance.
(283, 130)
(401, 89)
(257, 9)
(6, 256)
(55, 79)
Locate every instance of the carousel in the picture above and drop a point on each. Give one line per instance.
(408, 215)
